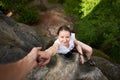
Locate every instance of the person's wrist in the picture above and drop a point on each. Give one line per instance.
(81, 54)
(50, 54)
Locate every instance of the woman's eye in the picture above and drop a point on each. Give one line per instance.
(67, 37)
(62, 37)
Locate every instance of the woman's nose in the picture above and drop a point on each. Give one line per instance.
(64, 39)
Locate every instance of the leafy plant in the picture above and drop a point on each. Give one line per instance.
(29, 17)
(21, 10)
(56, 1)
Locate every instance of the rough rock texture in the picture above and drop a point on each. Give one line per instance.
(63, 68)
(112, 71)
(16, 39)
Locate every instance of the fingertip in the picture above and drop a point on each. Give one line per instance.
(41, 65)
(39, 48)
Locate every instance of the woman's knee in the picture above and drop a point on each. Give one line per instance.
(90, 50)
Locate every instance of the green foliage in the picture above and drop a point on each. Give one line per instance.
(29, 16)
(88, 6)
(1, 4)
(72, 7)
(85, 33)
(112, 47)
(100, 54)
(14, 4)
(56, 1)
(20, 8)
(80, 8)
(98, 24)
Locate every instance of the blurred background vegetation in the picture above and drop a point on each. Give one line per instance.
(22, 11)
(97, 22)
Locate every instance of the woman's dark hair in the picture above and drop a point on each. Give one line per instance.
(63, 27)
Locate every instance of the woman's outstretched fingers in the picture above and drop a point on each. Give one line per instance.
(82, 59)
(43, 58)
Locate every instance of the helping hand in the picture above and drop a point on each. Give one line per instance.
(43, 58)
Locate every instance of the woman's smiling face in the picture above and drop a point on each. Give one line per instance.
(64, 37)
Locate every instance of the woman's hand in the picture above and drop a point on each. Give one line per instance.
(82, 59)
(43, 58)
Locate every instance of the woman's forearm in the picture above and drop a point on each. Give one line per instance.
(78, 47)
(53, 49)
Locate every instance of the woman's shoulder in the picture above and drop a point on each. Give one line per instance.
(72, 35)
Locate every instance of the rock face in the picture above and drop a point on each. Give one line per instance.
(112, 71)
(16, 39)
(64, 68)
(71, 69)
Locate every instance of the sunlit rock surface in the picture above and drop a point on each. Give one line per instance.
(62, 68)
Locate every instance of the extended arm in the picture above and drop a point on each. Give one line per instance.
(53, 49)
(45, 57)
(79, 49)
(19, 69)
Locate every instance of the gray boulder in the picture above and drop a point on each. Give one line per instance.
(16, 39)
(63, 68)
